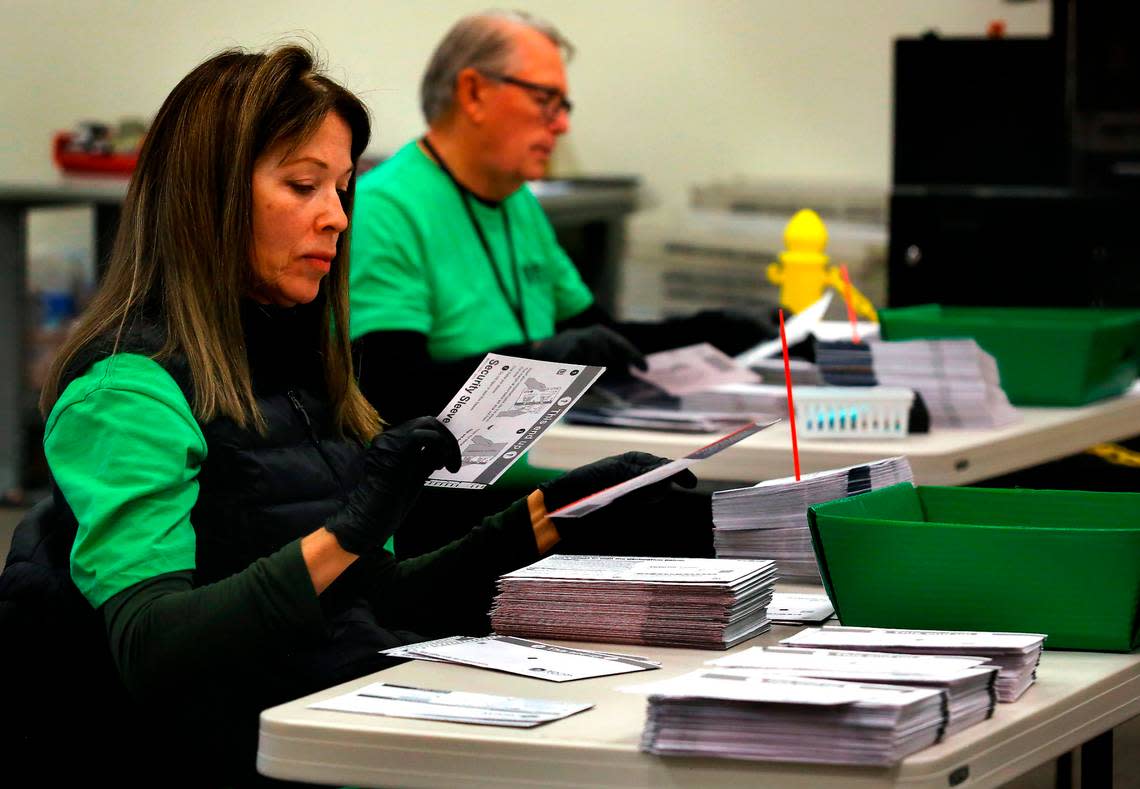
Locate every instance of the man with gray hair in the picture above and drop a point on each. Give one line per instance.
(452, 255)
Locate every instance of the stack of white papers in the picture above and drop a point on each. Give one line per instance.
(525, 657)
(958, 381)
(704, 603)
(769, 520)
(1015, 654)
(399, 701)
(744, 714)
(969, 682)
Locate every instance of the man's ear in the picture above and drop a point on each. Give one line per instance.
(471, 94)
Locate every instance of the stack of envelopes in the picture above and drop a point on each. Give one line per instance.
(959, 382)
(1015, 654)
(769, 520)
(745, 714)
(969, 682)
(703, 603)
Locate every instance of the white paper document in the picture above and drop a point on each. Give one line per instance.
(693, 368)
(1015, 654)
(596, 501)
(829, 331)
(788, 607)
(739, 685)
(525, 657)
(505, 406)
(398, 701)
(850, 664)
(887, 639)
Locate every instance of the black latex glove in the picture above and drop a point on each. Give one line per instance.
(395, 467)
(605, 473)
(732, 331)
(596, 345)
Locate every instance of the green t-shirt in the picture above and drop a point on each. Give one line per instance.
(418, 264)
(125, 450)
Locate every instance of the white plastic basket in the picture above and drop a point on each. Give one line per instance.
(852, 411)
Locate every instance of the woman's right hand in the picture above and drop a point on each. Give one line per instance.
(395, 467)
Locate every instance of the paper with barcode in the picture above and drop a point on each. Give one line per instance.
(400, 701)
(886, 638)
(793, 607)
(503, 408)
(743, 685)
(523, 656)
(846, 664)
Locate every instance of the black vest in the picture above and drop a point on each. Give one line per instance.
(257, 492)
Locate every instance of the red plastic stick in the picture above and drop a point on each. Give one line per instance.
(850, 304)
(791, 403)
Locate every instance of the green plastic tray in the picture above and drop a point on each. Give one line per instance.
(1064, 563)
(1047, 356)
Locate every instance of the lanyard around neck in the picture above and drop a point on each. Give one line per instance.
(465, 195)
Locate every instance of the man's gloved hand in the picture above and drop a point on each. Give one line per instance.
(395, 467)
(732, 331)
(596, 345)
(605, 473)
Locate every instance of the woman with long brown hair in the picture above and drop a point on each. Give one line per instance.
(228, 488)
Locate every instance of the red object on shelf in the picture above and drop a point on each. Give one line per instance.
(83, 162)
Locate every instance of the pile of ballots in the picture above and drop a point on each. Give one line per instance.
(770, 521)
(747, 714)
(969, 682)
(1015, 654)
(958, 381)
(702, 603)
(839, 695)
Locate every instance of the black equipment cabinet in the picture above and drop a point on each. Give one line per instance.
(1014, 247)
(1016, 165)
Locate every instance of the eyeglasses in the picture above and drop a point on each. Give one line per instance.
(551, 99)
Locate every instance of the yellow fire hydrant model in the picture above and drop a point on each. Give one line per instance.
(803, 272)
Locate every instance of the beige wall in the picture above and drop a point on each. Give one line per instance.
(676, 91)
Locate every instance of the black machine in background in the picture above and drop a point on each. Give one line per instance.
(1016, 173)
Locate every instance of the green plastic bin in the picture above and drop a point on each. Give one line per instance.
(1064, 563)
(1047, 356)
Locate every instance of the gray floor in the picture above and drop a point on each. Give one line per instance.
(1126, 738)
